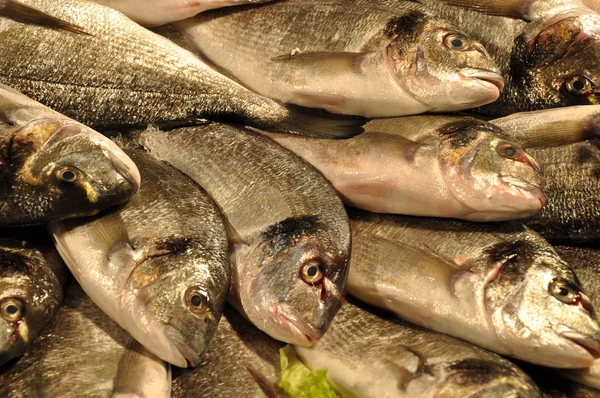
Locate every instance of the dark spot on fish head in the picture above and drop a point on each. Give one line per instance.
(174, 244)
(406, 27)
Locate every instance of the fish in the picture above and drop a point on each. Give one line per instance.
(159, 265)
(367, 355)
(288, 230)
(160, 12)
(120, 75)
(552, 386)
(500, 286)
(442, 166)
(33, 281)
(237, 347)
(82, 353)
(375, 62)
(53, 167)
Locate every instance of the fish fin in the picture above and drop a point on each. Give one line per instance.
(504, 8)
(23, 13)
(264, 384)
(133, 370)
(325, 63)
(109, 230)
(233, 236)
(314, 122)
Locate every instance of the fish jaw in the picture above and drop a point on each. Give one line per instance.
(471, 88)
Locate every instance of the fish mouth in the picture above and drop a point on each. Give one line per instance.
(486, 76)
(525, 188)
(187, 355)
(304, 333)
(585, 342)
(126, 168)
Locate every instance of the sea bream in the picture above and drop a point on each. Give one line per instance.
(53, 167)
(288, 230)
(500, 286)
(119, 74)
(159, 265)
(373, 61)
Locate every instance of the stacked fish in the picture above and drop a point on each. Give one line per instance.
(249, 152)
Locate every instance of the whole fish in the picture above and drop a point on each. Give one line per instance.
(499, 286)
(237, 347)
(159, 12)
(32, 284)
(369, 356)
(373, 61)
(53, 167)
(441, 166)
(121, 74)
(289, 232)
(157, 266)
(83, 353)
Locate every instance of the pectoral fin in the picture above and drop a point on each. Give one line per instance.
(23, 13)
(325, 63)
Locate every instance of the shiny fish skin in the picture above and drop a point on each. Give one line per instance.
(223, 372)
(32, 281)
(122, 74)
(53, 167)
(439, 166)
(372, 62)
(494, 285)
(77, 356)
(369, 356)
(158, 266)
(284, 220)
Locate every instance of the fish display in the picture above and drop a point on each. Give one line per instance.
(289, 232)
(32, 285)
(120, 74)
(158, 266)
(52, 167)
(443, 166)
(375, 62)
(369, 356)
(499, 286)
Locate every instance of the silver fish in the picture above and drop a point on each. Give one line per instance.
(158, 266)
(500, 286)
(440, 166)
(369, 356)
(83, 353)
(119, 73)
(372, 62)
(53, 167)
(32, 284)
(289, 231)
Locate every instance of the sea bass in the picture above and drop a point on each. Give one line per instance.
(120, 74)
(83, 353)
(441, 166)
(369, 356)
(53, 167)
(499, 286)
(373, 61)
(158, 266)
(289, 232)
(32, 284)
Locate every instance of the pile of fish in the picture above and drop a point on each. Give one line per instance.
(333, 198)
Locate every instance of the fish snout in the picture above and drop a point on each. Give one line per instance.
(185, 354)
(126, 168)
(485, 76)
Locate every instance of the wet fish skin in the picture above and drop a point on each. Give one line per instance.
(53, 167)
(444, 166)
(32, 285)
(369, 356)
(159, 265)
(376, 62)
(289, 232)
(427, 270)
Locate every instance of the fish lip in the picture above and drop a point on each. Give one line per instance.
(299, 325)
(486, 75)
(588, 343)
(529, 187)
(126, 168)
(185, 350)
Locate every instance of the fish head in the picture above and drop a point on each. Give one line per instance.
(295, 280)
(488, 172)
(75, 172)
(537, 308)
(439, 65)
(176, 304)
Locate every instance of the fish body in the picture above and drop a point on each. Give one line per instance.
(52, 167)
(369, 356)
(430, 165)
(289, 231)
(373, 62)
(158, 266)
(32, 284)
(499, 286)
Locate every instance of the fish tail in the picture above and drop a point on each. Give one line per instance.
(23, 13)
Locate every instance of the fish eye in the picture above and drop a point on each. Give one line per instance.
(564, 291)
(311, 272)
(508, 151)
(456, 42)
(67, 174)
(196, 300)
(11, 309)
(579, 85)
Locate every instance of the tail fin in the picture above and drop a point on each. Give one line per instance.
(264, 384)
(319, 123)
(23, 13)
